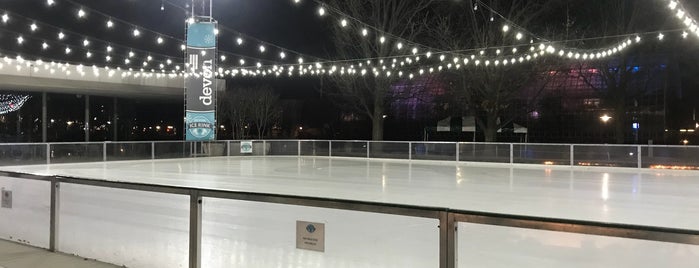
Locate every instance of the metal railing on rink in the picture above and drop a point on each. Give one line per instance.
(448, 220)
(604, 155)
(60, 191)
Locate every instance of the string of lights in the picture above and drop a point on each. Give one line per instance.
(89, 46)
(683, 16)
(391, 71)
(40, 66)
(109, 47)
(383, 37)
(161, 38)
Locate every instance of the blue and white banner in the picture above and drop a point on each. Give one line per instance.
(200, 84)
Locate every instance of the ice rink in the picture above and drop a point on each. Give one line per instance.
(140, 229)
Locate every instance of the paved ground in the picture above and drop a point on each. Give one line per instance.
(13, 255)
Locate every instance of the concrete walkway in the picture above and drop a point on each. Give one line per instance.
(14, 255)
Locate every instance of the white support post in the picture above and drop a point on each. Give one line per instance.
(228, 148)
(299, 148)
(367, 149)
(410, 150)
(638, 155)
(572, 155)
(104, 152)
(512, 153)
(48, 153)
(330, 148)
(152, 150)
(264, 148)
(54, 215)
(457, 152)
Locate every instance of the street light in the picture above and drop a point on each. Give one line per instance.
(605, 118)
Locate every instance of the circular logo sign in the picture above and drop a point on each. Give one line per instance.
(310, 228)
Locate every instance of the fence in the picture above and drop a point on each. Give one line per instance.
(630, 156)
(449, 238)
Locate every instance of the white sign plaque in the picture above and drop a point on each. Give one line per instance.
(310, 236)
(245, 147)
(6, 199)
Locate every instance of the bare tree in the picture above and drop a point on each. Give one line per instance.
(489, 92)
(246, 108)
(264, 109)
(370, 94)
(623, 79)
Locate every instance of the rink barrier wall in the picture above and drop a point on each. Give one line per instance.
(590, 155)
(448, 218)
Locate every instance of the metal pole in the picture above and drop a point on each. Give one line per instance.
(330, 148)
(104, 152)
(299, 148)
(512, 153)
(228, 148)
(195, 203)
(640, 160)
(44, 118)
(572, 155)
(152, 150)
(87, 118)
(367, 149)
(410, 150)
(115, 121)
(54, 217)
(48, 153)
(264, 148)
(447, 240)
(457, 152)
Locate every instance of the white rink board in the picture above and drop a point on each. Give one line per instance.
(612, 195)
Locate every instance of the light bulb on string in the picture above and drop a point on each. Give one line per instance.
(81, 13)
(20, 40)
(343, 23)
(321, 11)
(661, 36)
(86, 43)
(282, 55)
(685, 34)
(44, 46)
(365, 32)
(109, 49)
(61, 35)
(50, 2)
(110, 24)
(136, 33)
(159, 40)
(33, 27)
(5, 18)
(262, 49)
(506, 28)
(239, 41)
(519, 36)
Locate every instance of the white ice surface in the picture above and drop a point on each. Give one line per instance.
(242, 234)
